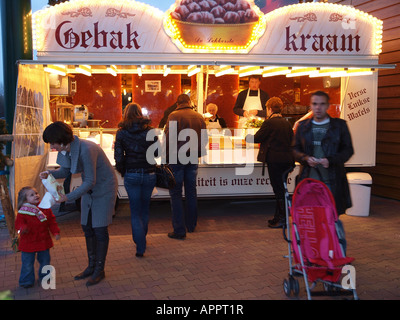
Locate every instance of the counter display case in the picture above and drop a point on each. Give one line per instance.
(230, 168)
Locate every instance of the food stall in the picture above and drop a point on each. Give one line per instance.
(95, 57)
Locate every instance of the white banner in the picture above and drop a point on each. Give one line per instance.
(359, 107)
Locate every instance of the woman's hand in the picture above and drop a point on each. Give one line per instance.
(62, 198)
(43, 175)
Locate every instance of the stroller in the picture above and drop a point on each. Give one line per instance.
(314, 241)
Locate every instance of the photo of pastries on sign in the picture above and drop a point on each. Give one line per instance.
(214, 11)
(214, 25)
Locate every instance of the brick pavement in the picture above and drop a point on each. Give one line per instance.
(232, 255)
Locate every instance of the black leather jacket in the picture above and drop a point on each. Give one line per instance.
(337, 147)
(131, 146)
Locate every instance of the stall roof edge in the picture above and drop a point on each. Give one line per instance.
(214, 63)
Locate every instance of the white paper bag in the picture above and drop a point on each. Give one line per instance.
(53, 187)
(47, 202)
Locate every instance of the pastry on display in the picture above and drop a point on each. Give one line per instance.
(208, 25)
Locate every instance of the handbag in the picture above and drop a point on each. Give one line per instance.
(165, 177)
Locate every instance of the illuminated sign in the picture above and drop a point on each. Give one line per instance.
(235, 26)
(321, 28)
(214, 26)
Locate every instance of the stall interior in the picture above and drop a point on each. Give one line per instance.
(92, 98)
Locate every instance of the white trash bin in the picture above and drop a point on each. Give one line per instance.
(360, 191)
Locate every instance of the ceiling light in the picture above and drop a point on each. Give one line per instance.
(300, 71)
(56, 69)
(353, 72)
(139, 70)
(84, 69)
(192, 70)
(249, 70)
(167, 70)
(223, 70)
(325, 72)
(275, 71)
(112, 70)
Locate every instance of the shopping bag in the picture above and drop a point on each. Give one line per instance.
(165, 177)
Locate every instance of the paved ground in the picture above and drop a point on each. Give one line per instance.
(232, 255)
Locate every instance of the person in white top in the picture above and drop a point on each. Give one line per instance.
(213, 121)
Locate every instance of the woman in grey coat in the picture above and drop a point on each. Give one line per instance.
(98, 191)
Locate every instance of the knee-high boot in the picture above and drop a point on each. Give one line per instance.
(91, 252)
(101, 253)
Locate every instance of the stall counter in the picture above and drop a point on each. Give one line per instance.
(215, 179)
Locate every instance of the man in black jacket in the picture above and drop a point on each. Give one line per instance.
(322, 145)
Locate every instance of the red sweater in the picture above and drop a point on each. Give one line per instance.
(34, 233)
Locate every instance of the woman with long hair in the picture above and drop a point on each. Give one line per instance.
(138, 171)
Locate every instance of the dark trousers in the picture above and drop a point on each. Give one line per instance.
(276, 171)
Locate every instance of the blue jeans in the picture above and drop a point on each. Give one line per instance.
(139, 187)
(184, 218)
(27, 276)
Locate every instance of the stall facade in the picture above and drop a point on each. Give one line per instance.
(93, 58)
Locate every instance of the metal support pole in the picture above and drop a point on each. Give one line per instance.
(16, 28)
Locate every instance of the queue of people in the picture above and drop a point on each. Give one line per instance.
(321, 145)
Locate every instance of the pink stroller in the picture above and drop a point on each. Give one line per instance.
(315, 245)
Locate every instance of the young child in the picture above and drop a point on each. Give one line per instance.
(33, 225)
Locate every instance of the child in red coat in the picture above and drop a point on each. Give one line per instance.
(33, 225)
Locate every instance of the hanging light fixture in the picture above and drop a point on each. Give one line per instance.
(326, 72)
(354, 72)
(300, 71)
(249, 70)
(193, 69)
(56, 69)
(167, 70)
(112, 70)
(270, 72)
(84, 69)
(223, 70)
(139, 70)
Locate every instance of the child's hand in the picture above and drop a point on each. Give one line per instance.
(57, 236)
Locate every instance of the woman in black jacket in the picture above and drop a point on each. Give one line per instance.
(275, 138)
(137, 166)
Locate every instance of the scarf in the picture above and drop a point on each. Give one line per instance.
(32, 210)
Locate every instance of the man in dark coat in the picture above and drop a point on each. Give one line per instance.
(183, 156)
(322, 145)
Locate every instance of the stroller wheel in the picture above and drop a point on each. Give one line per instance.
(287, 287)
(294, 284)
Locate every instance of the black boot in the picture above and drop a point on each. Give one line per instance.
(91, 252)
(101, 253)
(280, 216)
(276, 214)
